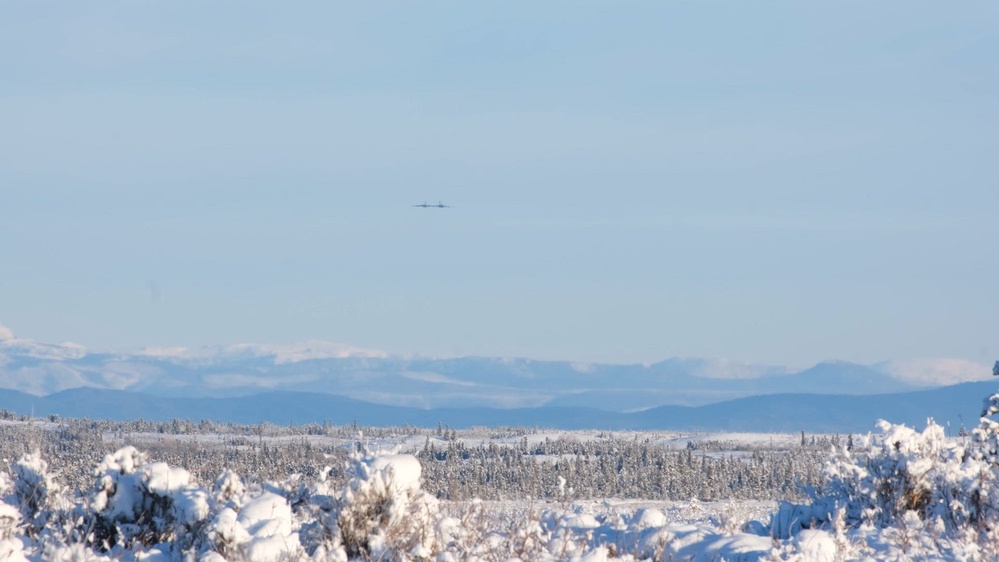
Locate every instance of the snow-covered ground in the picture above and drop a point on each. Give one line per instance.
(902, 495)
(726, 443)
(144, 511)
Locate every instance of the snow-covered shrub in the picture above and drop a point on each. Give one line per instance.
(71, 553)
(383, 513)
(262, 531)
(36, 492)
(902, 495)
(569, 532)
(144, 503)
(10, 516)
(918, 490)
(229, 490)
(319, 532)
(6, 484)
(226, 536)
(12, 550)
(254, 526)
(10, 520)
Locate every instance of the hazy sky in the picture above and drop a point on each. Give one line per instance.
(782, 181)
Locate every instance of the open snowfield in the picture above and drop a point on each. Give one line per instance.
(726, 442)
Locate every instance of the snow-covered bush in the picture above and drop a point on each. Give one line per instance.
(919, 490)
(229, 490)
(10, 520)
(383, 513)
(903, 494)
(35, 492)
(250, 526)
(263, 531)
(145, 503)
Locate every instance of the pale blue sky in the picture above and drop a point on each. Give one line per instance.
(780, 181)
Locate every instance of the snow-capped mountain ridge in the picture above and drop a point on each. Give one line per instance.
(374, 376)
(290, 353)
(287, 353)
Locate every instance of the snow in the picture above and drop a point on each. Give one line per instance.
(581, 521)
(739, 547)
(936, 372)
(267, 528)
(164, 352)
(226, 528)
(163, 479)
(729, 369)
(10, 518)
(72, 553)
(647, 517)
(907, 494)
(267, 515)
(30, 348)
(376, 376)
(272, 549)
(403, 471)
(436, 378)
(12, 551)
(290, 353)
(815, 546)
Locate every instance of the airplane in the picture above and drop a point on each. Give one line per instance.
(439, 205)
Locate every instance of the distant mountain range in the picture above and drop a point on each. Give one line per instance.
(949, 406)
(371, 376)
(317, 381)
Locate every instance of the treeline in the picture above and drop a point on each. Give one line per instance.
(568, 467)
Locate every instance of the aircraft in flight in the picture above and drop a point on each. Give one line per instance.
(439, 205)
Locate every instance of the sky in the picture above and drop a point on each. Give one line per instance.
(778, 182)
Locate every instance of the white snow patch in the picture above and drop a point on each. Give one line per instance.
(427, 376)
(293, 353)
(236, 379)
(266, 515)
(31, 348)
(164, 479)
(164, 352)
(403, 471)
(645, 518)
(290, 353)
(933, 372)
(730, 369)
(816, 545)
(11, 550)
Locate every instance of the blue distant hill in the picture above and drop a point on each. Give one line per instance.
(949, 406)
(317, 381)
(318, 367)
